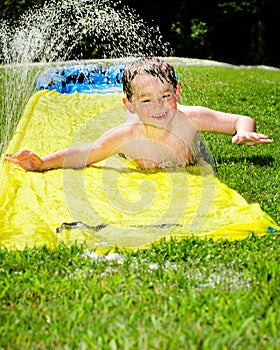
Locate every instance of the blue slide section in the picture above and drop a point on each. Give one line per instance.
(82, 78)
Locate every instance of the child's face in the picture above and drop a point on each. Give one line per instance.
(153, 100)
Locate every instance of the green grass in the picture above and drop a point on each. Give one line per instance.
(16, 86)
(252, 171)
(191, 294)
(187, 295)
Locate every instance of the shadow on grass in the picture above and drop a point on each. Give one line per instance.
(261, 160)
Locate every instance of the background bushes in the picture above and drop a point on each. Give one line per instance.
(241, 31)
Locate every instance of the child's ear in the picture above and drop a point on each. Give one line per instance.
(128, 105)
(178, 90)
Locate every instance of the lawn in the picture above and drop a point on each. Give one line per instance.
(192, 294)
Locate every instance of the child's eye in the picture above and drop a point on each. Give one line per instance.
(146, 101)
(166, 96)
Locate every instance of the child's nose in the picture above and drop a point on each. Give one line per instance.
(159, 101)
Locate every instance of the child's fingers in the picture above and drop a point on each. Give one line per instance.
(264, 141)
(260, 136)
(256, 142)
(19, 155)
(10, 158)
(19, 158)
(251, 138)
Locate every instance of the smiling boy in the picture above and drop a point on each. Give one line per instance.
(158, 132)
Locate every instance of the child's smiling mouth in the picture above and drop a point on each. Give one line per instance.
(160, 116)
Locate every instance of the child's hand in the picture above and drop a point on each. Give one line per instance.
(26, 159)
(250, 138)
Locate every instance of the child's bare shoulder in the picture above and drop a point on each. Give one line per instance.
(196, 114)
(129, 129)
(190, 111)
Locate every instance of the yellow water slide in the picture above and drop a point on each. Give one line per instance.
(111, 203)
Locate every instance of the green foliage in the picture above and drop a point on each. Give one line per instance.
(237, 31)
(14, 8)
(246, 6)
(199, 33)
(240, 31)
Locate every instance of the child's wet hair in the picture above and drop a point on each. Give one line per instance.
(148, 65)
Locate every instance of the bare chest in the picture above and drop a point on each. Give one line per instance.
(150, 153)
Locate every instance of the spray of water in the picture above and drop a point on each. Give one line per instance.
(56, 32)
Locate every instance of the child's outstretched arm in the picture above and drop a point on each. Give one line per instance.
(65, 158)
(246, 133)
(76, 157)
(242, 127)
